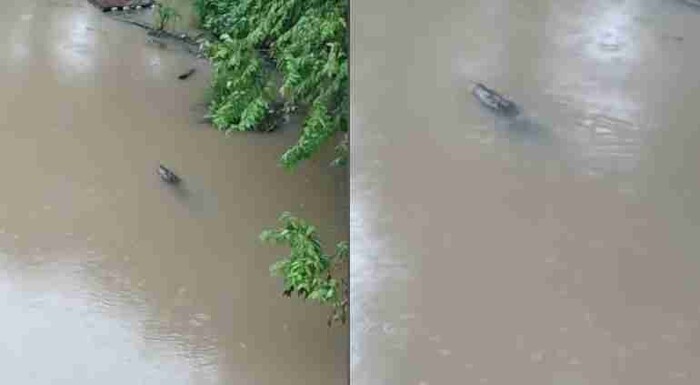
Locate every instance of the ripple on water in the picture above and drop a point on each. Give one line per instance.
(677, 375)
(595, 140)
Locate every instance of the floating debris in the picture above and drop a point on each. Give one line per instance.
(493, 100)
(168, 176)
(186, 74)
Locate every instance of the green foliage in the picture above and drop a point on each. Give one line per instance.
(307, 271)
(342, 151)
(307, 42)
(242, 90)
(165, 13)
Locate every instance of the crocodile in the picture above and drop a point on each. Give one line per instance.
(167, 175)
(493, 100)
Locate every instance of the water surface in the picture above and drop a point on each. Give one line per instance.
(107, 275)
(557, 248)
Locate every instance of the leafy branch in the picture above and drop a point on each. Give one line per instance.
(307, 270)
(306, 41)
(165, 13)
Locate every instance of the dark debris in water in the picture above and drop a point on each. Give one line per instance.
(186, 74)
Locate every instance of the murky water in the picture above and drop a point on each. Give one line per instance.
(556, 248)
(106, 275)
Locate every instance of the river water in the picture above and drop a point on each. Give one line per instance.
(107, 276)
(559, 247)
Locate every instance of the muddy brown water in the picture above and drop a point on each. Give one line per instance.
(557, 248)
(108, 276)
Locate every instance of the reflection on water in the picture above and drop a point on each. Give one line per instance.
(72, 42)
(60, 312)
(19, 31)
(612, 30)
